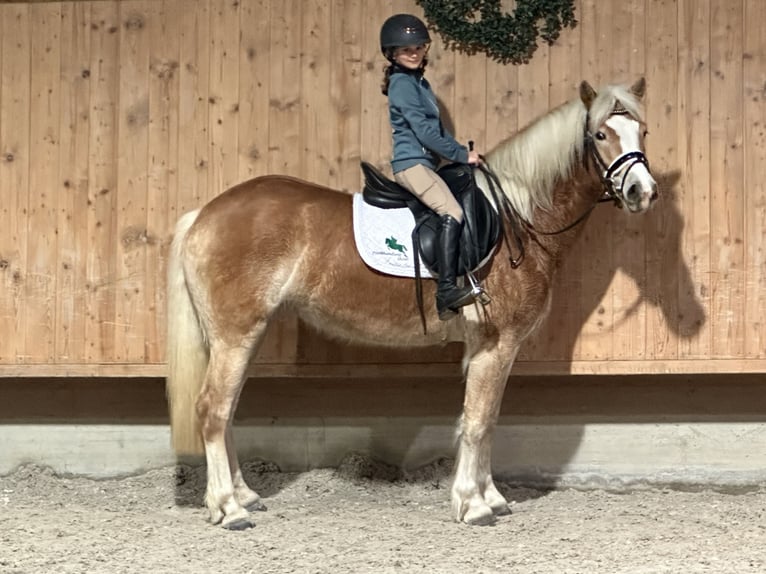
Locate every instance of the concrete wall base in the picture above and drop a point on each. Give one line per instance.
(616, 434)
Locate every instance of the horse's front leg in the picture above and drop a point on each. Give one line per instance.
(246, 497)
(475, 499)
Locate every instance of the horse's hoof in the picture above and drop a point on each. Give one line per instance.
(238, 524)
(501, 510)
(482, 516)
(256, 506)
(239, 520)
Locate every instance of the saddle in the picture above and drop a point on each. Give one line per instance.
(482, 228)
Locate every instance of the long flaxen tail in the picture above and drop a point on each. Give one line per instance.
(187, 354)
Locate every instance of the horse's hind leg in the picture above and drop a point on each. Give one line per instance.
(215, 409)
(475, 499)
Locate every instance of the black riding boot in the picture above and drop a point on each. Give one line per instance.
(450, 297)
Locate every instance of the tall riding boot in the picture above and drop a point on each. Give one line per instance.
(450, 297)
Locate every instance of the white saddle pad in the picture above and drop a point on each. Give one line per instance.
(383, 238)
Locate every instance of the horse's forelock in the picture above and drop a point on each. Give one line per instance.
(610, 98)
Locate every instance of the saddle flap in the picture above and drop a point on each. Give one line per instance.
(381, 191)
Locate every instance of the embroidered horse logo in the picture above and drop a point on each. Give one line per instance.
(391, 243)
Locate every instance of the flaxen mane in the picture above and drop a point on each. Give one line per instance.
(530, 162)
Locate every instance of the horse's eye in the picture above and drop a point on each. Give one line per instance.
(646, 133)
(600, 136)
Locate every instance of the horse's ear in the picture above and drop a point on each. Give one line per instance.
(587, 94)
(639, 88)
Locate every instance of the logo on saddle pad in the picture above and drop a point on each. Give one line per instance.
(394, 245)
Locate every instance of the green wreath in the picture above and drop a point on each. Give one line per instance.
(481, 26)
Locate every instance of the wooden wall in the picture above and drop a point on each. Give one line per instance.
(118, 116)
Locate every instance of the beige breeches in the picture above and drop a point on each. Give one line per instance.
(427, 186)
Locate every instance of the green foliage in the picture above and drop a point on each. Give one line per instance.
(481, 26)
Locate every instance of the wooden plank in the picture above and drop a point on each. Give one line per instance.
(726, 180)
(318, 118)
(14, 177)
(403, 370)
(558, 335)
(346, 92)
(72, 224)
(163, 29)
(597, 267)
(40, 288)
(693, 132)
(375, 127)
(755, 176)
(662, 239)
(193, 133)
(254, 62)
(224, 96)
(285, 93)
(132, 315)
(533, 102)
(628, 287)
(470, 107)
(102, 178)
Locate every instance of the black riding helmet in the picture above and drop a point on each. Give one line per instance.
(402, 30)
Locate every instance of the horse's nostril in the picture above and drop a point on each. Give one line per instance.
(654, 195)
(633, 191)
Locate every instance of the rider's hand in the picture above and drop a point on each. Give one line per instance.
(473, 158)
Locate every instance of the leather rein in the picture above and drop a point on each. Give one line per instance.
(606, 173)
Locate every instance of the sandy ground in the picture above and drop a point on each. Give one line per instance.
(365, 517)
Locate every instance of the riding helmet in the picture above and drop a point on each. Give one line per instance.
(403, 30)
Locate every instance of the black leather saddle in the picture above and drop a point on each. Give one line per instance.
(482, 228)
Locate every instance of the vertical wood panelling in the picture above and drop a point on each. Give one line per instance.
(42, 245)
(628, 287)
(224, 96)
(116, 117)
(375, 129)
(662, 257)
(193, 105)
(693, 132)
(285, 94)
(101, 267)
(163, 29)
(557, 336)
(14, 178)
(317, 113)
(132, 314)
(754, 113)
(72, 225)
(346, 91)
(726, 180)
(254, 62)
(596, 306)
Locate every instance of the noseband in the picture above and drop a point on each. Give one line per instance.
(607, 172)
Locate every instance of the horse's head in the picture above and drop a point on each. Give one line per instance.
(614, 140)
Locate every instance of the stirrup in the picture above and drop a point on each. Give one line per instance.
(477, 290)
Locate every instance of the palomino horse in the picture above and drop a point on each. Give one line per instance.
(276, 241)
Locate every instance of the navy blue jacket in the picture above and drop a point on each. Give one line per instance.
(418, 134)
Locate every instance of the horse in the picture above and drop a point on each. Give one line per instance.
(280, 242)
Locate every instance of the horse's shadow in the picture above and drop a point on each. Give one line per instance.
(650, 255)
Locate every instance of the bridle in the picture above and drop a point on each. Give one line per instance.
(607, 172)
(606, 175)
